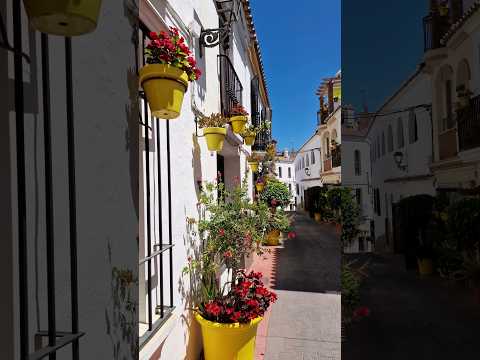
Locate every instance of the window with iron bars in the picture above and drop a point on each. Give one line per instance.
(155, 225)
(231, 88)
(259, 116)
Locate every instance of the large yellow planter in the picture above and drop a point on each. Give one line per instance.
(259, 187)
(273, 238)
(425, 266)
(63, 17)
(253, 166)
(317, 217)
(228, 341)
(249, 140)
(238, 123)
(215, 137)
(165, 87)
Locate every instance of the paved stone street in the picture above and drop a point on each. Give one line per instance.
(412, 317)
(305, 322)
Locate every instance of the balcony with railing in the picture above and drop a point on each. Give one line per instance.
(259, 116)
(231, 88)
(439, 21)
(469, 125)
(327, 164)
(336, 157)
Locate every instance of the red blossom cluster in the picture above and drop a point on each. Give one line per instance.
(238, 110)
(361, 312)
(292, 235)
(170, 48)
(247, 300)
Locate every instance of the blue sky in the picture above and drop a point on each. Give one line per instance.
(300, 43)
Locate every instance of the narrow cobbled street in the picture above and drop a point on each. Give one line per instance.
(305, 273)
(412, 317)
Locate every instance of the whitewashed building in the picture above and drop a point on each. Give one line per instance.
(285, 172)
(400, 153)
(126, 184)
(356, 168)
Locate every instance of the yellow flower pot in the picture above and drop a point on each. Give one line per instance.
(63, 17)
(425, 266)
(253, 166)
(238, 123)
(273, 238)
(215, 137)
(249, 140)
(164, 87)
(317, 217)
(228, 341)
(259, 187)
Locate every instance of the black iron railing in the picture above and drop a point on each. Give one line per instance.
(155, 252)
(56, 339)
(259, 117)
(230, 86)
(434, 28)
(469, 125)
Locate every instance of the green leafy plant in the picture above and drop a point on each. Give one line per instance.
(351, 280)
(249, 130)
(278, 220)
(170, 48)
(464, 223)
(344, 210)
(275, 193)
(214, 120)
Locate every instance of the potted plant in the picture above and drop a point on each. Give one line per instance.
(463, 95)
(238, 118)
(249, 133)
(228, 313)
(214, 130)
(277, 222)
(424, 259)
(253, 162)
(260, 184)
(169, 68)
(64, 18)
(275, 194)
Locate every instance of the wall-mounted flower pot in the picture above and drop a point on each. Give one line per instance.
(238, 123)
(249, 140)
(253, 166)
(215, 137)
(164, 87)
(273, 237)
(317, 217)
(63, 17)
(259, 187)
(425, 266)
(228, 341)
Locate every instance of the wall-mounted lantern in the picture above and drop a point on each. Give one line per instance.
(307, 171)
(398, 156)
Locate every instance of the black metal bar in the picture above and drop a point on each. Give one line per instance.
(160, 222)
(21, 196)
(48, 195)
(149, 235)
(164, 248)
(72, 195)
(65, 340)
(170, 240)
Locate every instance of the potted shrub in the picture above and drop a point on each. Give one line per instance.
(214, 130)
(277, 223)
(275, 194)
(229, 313)
(169, 68)
(424, 259)
(253, 162)
(249, 133)
(64, 18)
(238, 118)
(260, 184)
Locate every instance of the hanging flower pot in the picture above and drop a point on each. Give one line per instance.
(259, 186)
(318, 217)
(64, 18)
(273, 237)
(167, 73)
(425, 266)
(238, 119)
(164, 87)
(228, 341)
(214, 130)
(249, 140)
(253, 166)
(215, 137)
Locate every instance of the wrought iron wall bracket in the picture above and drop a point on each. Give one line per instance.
(213, 37)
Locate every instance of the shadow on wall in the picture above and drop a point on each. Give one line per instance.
(197, 165)
(121, 317)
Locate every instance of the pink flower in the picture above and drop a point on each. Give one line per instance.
(221, 232)
(274, 202)
(292, 235)
(228, 254)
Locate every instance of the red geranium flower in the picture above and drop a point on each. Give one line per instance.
(228, 254)
(360, 312)
(213, 308)
(292, 235)
(221, 232)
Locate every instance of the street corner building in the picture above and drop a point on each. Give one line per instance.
(98, 195)
(318, 162)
